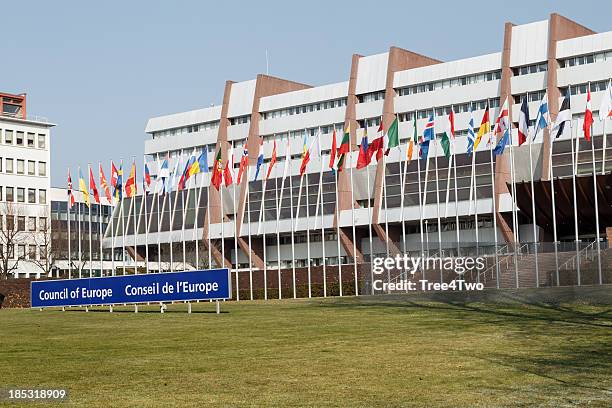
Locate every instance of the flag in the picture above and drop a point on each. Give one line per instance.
(186, 172)
(173, 178)
(470, 134)
(272, 161)
(424, 151)
(588, 118)
(364, 158)
(449, 133)
(70, 195)
(203, 160)
(543, 117)
(564, 116)
(260, 158)
(104, 183)
(344, 147)
(412, 141)
(118, 192)
(194, 167)
(228, 173)
(92, 186)
(287, 159)
(429, 132)
(605, 110)
(305, 158)
(130, 183)
(503, 122)
(485, 127)
(244, 162)
(114, 175)
(392, 136)
(217, 175)
(377, 146)
(332, 153)
(162, 176)
(83, 188)
(146, 181)
(523, 126)
(501, 145)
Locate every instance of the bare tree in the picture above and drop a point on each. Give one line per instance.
(52, 243)
(12, 234)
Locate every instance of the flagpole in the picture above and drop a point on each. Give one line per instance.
(100, 229)
(574, 170)
(473, 185)
(437, 189)
(183, 216)
(515, 224)
(420, 192)
(338, 227)
(223, 226)
(552, 195)
(595, 193)
(147, 223)
(159, 254)
(121, 210)
(308, 231)
(262, 219)
(172, 211)
(533, 208)
(292, 224)
(198, 192)
(236, 231)
(353, 214)
(361, 147)
(493, 204)
(322, 219)
(248, 193)
(79, 230)
(384, 193)
(68, 206)
(278, 259)
(402, 177)
(89, 228)
(208, 216)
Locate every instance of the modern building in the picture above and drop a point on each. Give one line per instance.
(368, 212)
(25, 146)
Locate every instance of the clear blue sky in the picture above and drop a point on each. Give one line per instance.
(100, 70)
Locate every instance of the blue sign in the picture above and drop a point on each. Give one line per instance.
(154, 287)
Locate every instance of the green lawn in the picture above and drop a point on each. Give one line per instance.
(368, 351)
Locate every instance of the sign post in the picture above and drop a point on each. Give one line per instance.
(188, 286)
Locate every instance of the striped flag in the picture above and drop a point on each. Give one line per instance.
(543, 117)
(470, 134)
(70, 195)
(588, 118)
(523, 128)
(104, 184)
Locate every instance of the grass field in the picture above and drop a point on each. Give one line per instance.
(368, 351)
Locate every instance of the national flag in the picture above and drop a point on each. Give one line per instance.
(118, 191)
(186, 172)
(305, 158)
(501, 145)
(228, 172)
(588, 118)
(104, 183)
(563, 117)
(523, 125)
(485, 127)
(392, 136)
(470, 134)
(70, 195)
(162, 176)
(449, 133)
(429, 131)
(543, 117)
(83, 188)
(287, 159)
(412, 141)
(376, 147)
(503, 127)
(272, 161)
(332, 153)
(174, 176)
(203, 160)
(364, 158)
(344, 147)
(114, 175)
(605, 110)
(92, 186)
(244, 162)
(146, 181)
(260, 158)
(217, 176)
(130, 184)
(194, 167)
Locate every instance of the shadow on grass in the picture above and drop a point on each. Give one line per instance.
(173, 311)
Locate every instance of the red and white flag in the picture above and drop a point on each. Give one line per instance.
(244, 162)
(228, 173)
(605, 111)
(272, 161)
(588, 118)
(333, 152)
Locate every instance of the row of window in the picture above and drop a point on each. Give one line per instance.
(239, 120)
(31, 252)
(297, 110)
(32, 168)
(445, 110)
(586, 59)
(20, 197)
(583, 88)
(371, 97)
(530, 69)
(19, 138)
(449, 83)
(187, 129)
(532, 96)
(24, 223)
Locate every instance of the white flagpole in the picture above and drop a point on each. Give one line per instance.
(533, 207)
(421, 205)
(292, 224)
(134, 216)
(159, 229)
(172, 211)
(454, 157)
(574, 170)
(112, 237)
(262, 218)
(278, 259)
(248, 193)
(122, 212)
(79, 231)
(100, 228)
(384, 193)
(223, 227)
(552, 195)
(208, 216)
(369, 219)
(338, 226)
(515, 224)
(198, 192)
(403, 174)
(353, 214)
(437, 189)
(147, 223)
(183, 215)
(161, 213)
(600, 277)
(236, 231)
(308, 234)
(322, 220)
(493, 205)
(69, 235)
(89, 228)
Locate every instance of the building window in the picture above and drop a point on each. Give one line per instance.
(42, 168)
(19, 138)
(20, 166)
(530, 69)
(0, 200)
(21, 251)
(31, 223)
(10, 194)
(41, 141)
(20, 194)
(586, 59)
(32, 195)
(20, 223)
(43, 252)
(42, 223)
(371, 97)
(31, 168)
(8, 137)
(42, 196)
(449, 83)
(31, 139)
(0, 164)
(31, 251)
(9, 166)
